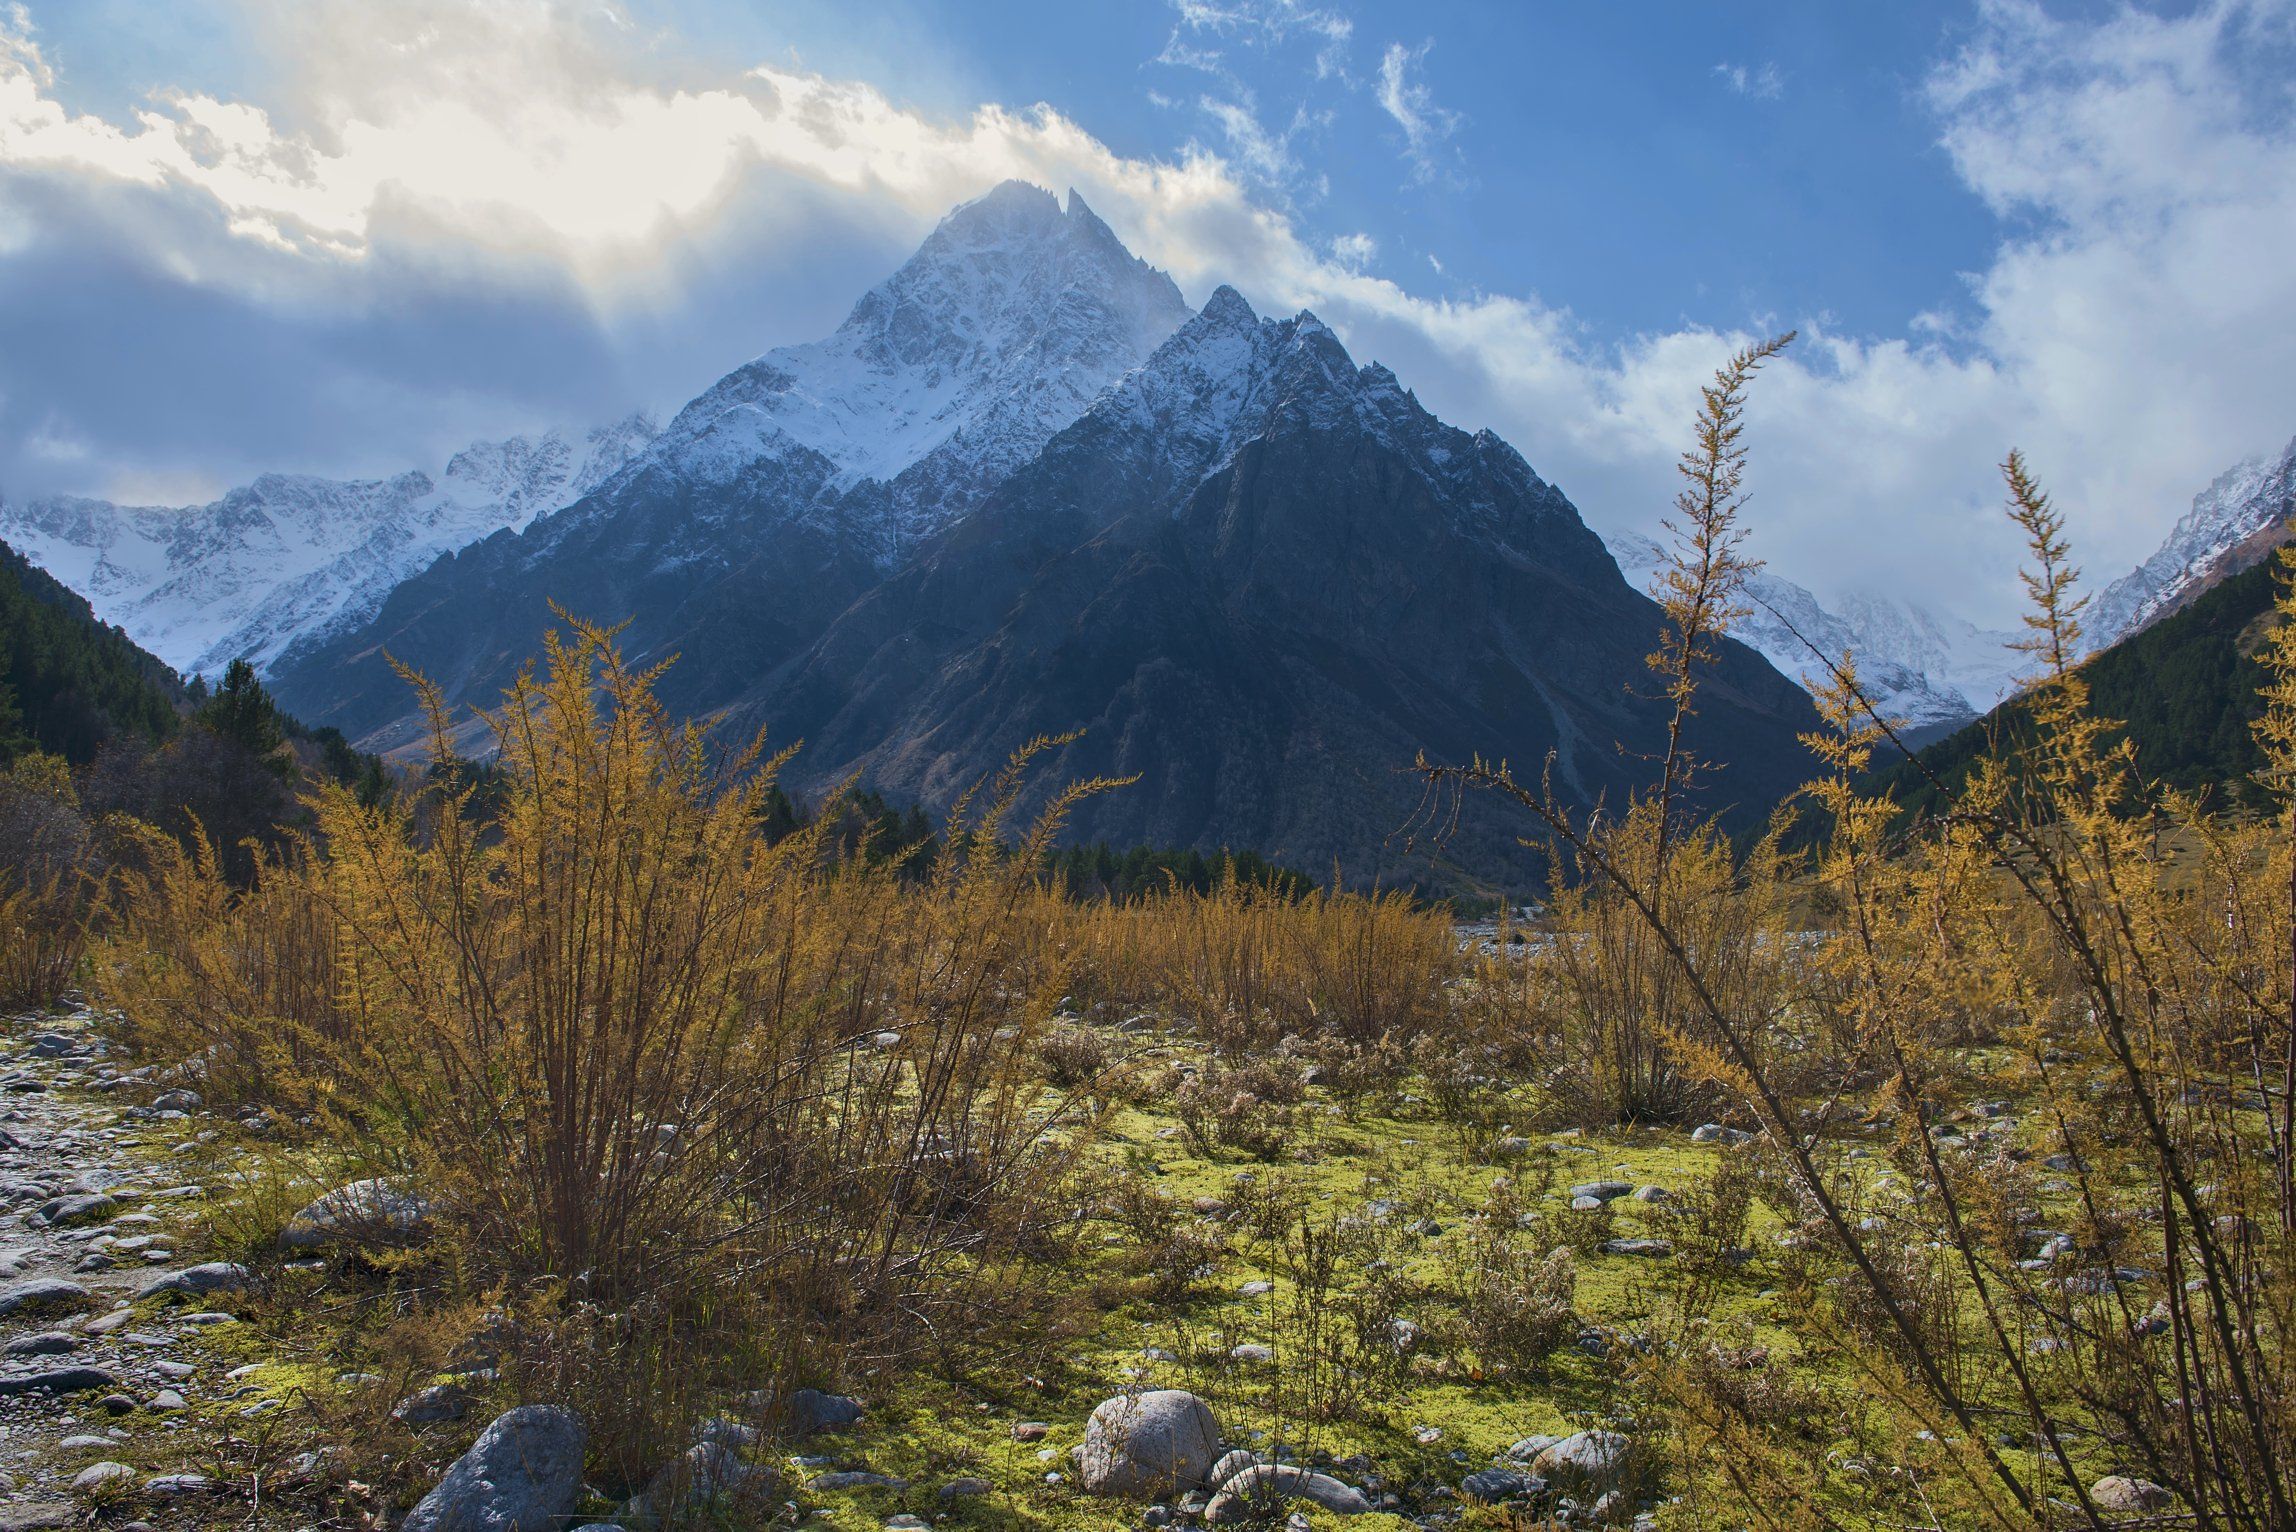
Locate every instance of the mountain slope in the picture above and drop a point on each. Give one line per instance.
(790, 487)
(290, 558)
(1263, 580)
(68, 682)
(2187, 689)
(1933, 673)
(2232, 525)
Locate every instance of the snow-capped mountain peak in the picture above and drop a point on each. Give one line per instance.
(1212, 386)
(531, 476)
(2224, 532)
(1009, 320)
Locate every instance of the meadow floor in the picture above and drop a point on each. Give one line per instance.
(241, 1390)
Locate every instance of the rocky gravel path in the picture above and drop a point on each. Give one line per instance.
(90, 1219)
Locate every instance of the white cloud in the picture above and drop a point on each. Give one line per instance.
(511, 130)
(1411, 103)
(1267, 156)
(1264, 154)
(1354, 251)
(2135, 331)
(1261, 23)
(1764, 82)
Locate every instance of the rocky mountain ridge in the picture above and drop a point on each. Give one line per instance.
(1263, 580)
(2231, 526)
(1929, 672)
(290, 558)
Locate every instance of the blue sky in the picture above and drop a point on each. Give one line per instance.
(1643, 165)
(346, 236)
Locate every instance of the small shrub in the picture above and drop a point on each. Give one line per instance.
(1074, 1057)
(1516, 1307)
(1245, 1109)
(50, 882)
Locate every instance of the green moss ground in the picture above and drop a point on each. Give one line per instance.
(929, 1429)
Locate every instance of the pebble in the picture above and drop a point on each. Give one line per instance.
(97, 1475)
(856, 1480)
(170, 1486)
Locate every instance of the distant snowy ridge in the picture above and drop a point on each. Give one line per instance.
(2230, 526)
(289, 558)
(1916, 667)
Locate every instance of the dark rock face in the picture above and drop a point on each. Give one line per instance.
(1266, 617)
(675, 559)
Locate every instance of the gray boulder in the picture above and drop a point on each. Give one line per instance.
(195, 1281)
(812, 1412)
(374, 1212)
(1149, 1445)
(57, 1380)
(1227, 1468)
(1602, 1191)
(98, 1477)
(1585, 1461)
(1266, 1487)
(2126, 1496)
(1656, 1249)
(429, 1406)
(521, 1475)
(1528, 1449)
(1495, 1484)
(727, 1432)
(177, 1486)
(86, 1207)
(42, 1295)
(703, 1475)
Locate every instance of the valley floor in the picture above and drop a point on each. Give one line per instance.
(1320, 1286)
(217, 1407)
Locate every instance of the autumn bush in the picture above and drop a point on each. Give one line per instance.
(50, 882)
(691, 1083)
